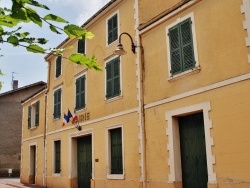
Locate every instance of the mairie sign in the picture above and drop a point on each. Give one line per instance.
(84, 117)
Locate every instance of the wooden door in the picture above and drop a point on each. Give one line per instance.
(193, 151)
(84, 158)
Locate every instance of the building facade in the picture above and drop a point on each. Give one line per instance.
(173, 114)
(11, 127)
(197, 121)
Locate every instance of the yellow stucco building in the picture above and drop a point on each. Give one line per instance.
(174, 114)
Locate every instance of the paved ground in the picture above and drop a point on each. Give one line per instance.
(12, 182)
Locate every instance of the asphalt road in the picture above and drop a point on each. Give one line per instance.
(12, 182)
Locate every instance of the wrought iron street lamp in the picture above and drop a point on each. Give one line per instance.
(119, 50)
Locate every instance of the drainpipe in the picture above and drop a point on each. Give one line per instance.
(140, 73)
(45, 129)
(142, 118)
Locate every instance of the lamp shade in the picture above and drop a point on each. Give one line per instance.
(119, 50)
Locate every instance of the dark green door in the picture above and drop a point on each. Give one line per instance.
(193, 151)
(84, 164)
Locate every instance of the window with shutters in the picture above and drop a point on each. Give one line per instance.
(80, 92)
(57, 156)
(81, 46)
(113, 88)
(115, 148)
(33, 115)
(112, 28)
(58, 68)
(182, 51)
(57, 103)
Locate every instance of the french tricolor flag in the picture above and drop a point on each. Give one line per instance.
(75, 118)
(65, 119)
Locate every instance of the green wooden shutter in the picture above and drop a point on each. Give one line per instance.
(37, 113)
(80, 93)
(116, 151)
(116, 77)
(112, 29)
(109, 80)
(175, 49)
(57, 103)
(113, 78)
(187, 44)
(77, 107)
(29, 117)
(58, 65)
(57, 156)
(81, 46)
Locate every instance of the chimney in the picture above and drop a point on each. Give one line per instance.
(15, 84)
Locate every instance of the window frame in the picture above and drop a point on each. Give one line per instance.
(196, 66)
(113, 95)
(33, 114)
(107, 28)
(108, 146)
(85, 92)
(56, 66)
(57, 116)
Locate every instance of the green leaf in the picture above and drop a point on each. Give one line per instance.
(54, 18)
(25, 34)
(89, 35)
(16, 6)
(42, 40)
(68, 47)
(83, 60)
(13, 40)
(1, 30)
(35, 49)
(53, 29)
(37, 4)
(34, 17)
(8, 21)
(20, 15)
(74, 31)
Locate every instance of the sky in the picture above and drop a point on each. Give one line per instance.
(28, 68)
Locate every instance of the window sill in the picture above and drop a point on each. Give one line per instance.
(186, 73)
(113, 99)
(56, 174)
(33, 127)
(81, 110)
(56, 118)
(115, 176)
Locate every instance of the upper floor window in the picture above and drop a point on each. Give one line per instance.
(80, 92)
(33, 115)
(57, 103)
(58, 66)
(81, 46)
(112, 28)
(182, 49)
(113, 87)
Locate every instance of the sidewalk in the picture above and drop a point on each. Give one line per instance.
(13, 182)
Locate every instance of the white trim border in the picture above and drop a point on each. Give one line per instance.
(245, 9)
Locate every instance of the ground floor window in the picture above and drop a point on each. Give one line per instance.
(115, 148)
(57, 154)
